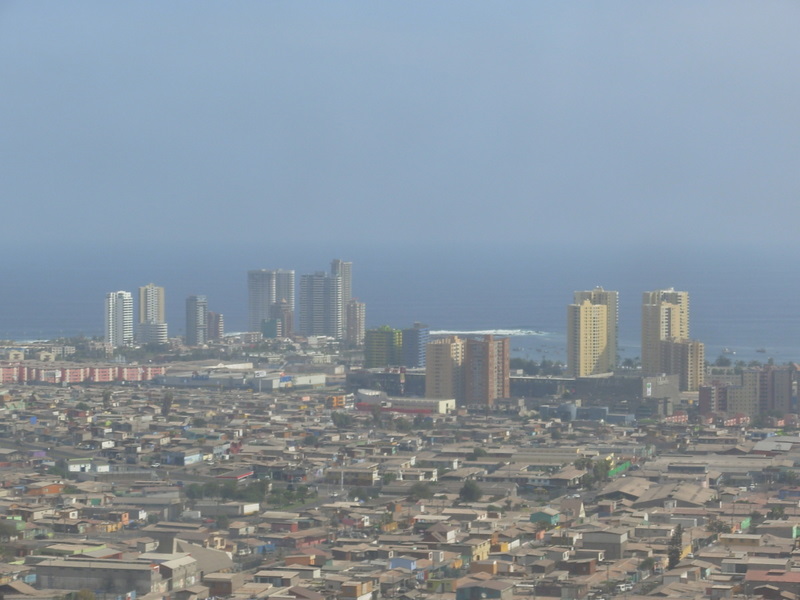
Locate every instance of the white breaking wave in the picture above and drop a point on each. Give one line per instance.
(506, 332)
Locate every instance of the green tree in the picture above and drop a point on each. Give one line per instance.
(166, 404)
(470, 492)
(420, 491)
(223, 522)
(717, 526)
(675, 548)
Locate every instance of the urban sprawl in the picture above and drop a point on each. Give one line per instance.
(310, 458)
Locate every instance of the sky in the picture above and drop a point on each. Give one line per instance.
(197, 122)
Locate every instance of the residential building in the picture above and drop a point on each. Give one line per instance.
(196, 320)
(355, 330)
(383, 347)
(415, 343)
(665, 316)
(119, 319)
(444, 376)
(321, 305)
(687, 359)
(152, 325)
(592, 333)
(267, 287)
(282, 315)
(216, 326)
(472, 371)
(486, 370)
(344, 270)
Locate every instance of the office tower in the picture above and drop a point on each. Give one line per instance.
(355, 330)
(383, 347)
(592, 333)
(265, 288)
(216, 326)
(119, 319)
(444, 375)
(665, 316)
(196, 321)
(486, 370)
(610, 300)
(321, 305)
(415, 343)
(152, 326)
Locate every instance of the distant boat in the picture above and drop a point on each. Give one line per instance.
(728, 351)
(761, 349)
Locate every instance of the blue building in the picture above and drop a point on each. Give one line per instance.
(415, 341)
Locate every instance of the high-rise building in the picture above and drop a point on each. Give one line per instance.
(152, 327)
(321, 305)
(610, 300)
(216, 326)
(415, 343)
(665, 316)
(687, 359)
(196, 321)
(151, 304)
(383, 347)
(264, 288)
(344, 270)
(283, 316)
(755, 392)
(486, 370)
(592, 333)
(119, 319)
(472, 371)
(444, 375)
(355, 330)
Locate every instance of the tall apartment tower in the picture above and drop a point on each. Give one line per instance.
(321, 309)
(266, 287)
(415, 343)
(444, 375)
(196, 320)
(355, 328)
(383, 347)
(119, 319)
(486, 370)
(665, 317)
(592, 332)
(344, 270)
(216, 326)
(152, 326)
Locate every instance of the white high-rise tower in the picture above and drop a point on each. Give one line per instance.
(119, 319)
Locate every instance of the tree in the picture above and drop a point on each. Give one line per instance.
(717, 526)
(675, 548)
(420, 491)
(223, 522)
(470, 492)
(166, 404)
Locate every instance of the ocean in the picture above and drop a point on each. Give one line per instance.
(742, 300)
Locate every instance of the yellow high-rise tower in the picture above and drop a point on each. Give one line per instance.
(665, 318)
(592, 333)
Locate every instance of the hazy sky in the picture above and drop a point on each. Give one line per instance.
(381, 121)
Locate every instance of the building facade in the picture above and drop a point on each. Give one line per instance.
(415, 343)
(383, 347)
(152, 324)
(265, 288)
(355, 328)
(444, 375)
(321, 305)
(119, 319)
(196, 321)
(592, 333)
(486, 370)
(665, 316)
